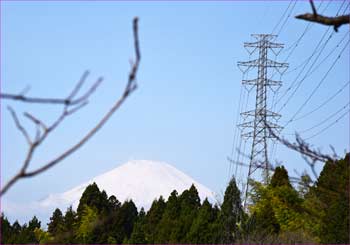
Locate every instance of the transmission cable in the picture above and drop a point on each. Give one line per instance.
(330, 125)
(309, 59)
(324, 103)
(326, 119)
(285, 21)
(318, 85)
(281, 18)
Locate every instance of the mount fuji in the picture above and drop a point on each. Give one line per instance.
(140, 180)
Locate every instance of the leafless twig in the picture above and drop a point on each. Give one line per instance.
(309, 154)
(65, 101)
(336, 22)
(43, 130)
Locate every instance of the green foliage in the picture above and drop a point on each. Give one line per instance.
(55, 226)
(202, 228)
(280, 178)
(43, 237)
(231, 214)
(138, 235)
(93, 198)
(16, 233)
(189, 202)
(123, 221)
(169, 219)
(332, 193)
(88, 222)
(277, 209)
(69, 227)
(153, 218)
(277, 214)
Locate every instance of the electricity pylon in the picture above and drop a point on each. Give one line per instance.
(260, 118)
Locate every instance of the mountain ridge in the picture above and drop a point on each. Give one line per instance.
(143, 181)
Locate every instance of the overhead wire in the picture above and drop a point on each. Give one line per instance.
(326, 119)
(306, 114)
(318, 85)
(330, 125)
(293, 47)
(301, 72)
(282, 16)
(310, 72)
(286, 19)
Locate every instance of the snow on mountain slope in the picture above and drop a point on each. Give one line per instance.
(139, 180)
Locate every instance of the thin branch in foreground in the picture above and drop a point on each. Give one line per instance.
(336, 22)
(19, 125)
(309, 154)
(69, 100)
(129, 88)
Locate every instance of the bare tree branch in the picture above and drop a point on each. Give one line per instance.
(336, 22)
(309, 154)
(65, 101)
(19, 125)
(129, 88)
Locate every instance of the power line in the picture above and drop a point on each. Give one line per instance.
(326, 119)
(281, 18)
(330, 125)
(309, 59)
(324, 59)
(309, 73)
(324, 103)
(307, 28)
(318, 85)
(285, 21)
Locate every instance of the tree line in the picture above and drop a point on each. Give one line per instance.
(278, 212)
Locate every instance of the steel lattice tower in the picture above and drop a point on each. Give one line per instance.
(260, 117)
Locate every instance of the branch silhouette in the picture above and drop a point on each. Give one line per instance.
(336, 22)
(71, 106)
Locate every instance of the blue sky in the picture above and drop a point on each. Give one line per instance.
(185, 108)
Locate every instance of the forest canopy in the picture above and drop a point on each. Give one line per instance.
(278, 212)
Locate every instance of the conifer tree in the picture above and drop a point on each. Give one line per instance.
(189, 202)
(123, 222)
(55, 226)
(231, 214)
(332, 190)
(153, 217)
(138, 233)
(69, 226)
(169, 219)
(6, 230)
(87, 224)
(201, 231)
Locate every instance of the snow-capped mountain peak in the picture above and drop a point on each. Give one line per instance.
(139, 180)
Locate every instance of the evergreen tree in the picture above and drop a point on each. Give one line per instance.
(113, 203)
(231, 214)
(332, 191)
(123, 222)
(6, 230)
(69, 226)
(169, 219)
(93, 198)
(278, 212)
(55, 226)
(138, 233)
(189, 204)
(17, 233)
(280, 177)
(153, 217)
(201, 231)
(30, 235)
(88, 222)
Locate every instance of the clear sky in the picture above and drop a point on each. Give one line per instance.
(185, 109)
